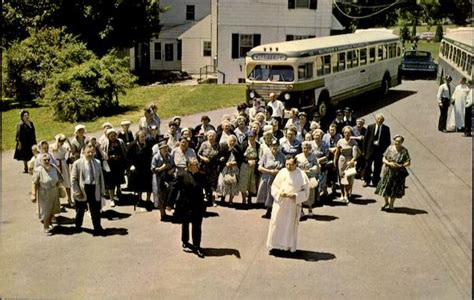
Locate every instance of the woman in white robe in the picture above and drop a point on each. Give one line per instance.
(456, 119)
(289, 189)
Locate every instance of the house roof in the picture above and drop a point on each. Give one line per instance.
(198, 28)
(174, 31)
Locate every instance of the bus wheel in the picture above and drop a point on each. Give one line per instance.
(322, 108)
(385, 86)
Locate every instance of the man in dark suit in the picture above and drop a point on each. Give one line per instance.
(376, 140)
(190, 205)
(87, 184)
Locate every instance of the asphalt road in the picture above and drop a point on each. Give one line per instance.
(423, 250)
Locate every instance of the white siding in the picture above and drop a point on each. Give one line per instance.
(177, 10)
(193, 41)
(157, 64)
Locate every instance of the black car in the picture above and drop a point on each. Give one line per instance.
(417, 62)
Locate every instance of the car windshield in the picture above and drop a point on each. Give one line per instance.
(272, 73)
(416, 56)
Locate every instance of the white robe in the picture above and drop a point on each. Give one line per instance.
(456, 119)
(283, 229)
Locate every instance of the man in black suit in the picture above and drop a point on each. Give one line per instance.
(376, 140)
(190, 205)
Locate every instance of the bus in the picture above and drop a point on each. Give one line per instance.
(315, 74)
(456, 52)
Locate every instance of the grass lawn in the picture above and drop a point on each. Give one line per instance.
(171, 100)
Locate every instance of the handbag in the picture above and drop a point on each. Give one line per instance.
(230, 179)
(313, 183)
(105, 166)
(350, 172)
(403, 172)
(61, 191)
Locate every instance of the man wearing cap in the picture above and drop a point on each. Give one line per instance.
(339, 121)
(444, 100)
(348, 119)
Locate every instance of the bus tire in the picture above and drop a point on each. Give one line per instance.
(322, 108)
(385, 86)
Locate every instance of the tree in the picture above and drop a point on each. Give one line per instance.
(439, 33)
(31, 62)
(458, 11)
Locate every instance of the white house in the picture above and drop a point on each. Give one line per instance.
(242, 25)
(218, 33)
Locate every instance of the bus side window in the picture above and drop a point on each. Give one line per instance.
(363, 56)
(380, 52)
(372, 54)
(327, 64)
(341, 61)
(399, 51)
(305, 71)
(309, 70)
(392, 50)
(355, 58)
(319, 66)
(334, 63)
(349, 59)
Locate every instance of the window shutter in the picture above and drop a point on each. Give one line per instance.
(290, 37)
(235, 45)
(291, 4)
(313, 4)
(256, 40)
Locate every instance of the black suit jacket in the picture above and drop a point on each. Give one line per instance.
(370, 138)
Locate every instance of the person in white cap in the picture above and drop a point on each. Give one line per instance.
(125, 134)
(147, 121)
(106, 126)
(59, 149)
(177, 119)
(77, 143)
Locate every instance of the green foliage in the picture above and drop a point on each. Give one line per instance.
(31, 62)
(439, 33)
(88, 90)
(404, 34)
(413, 30)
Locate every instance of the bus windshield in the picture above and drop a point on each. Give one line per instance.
(272, 73)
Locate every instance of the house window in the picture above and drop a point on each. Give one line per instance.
(157, 51)
(179, 50)
(190, 13)
(206, 48)
(242, 43)
(169, 55)
(311, 4)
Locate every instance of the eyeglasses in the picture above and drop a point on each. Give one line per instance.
(46, 159)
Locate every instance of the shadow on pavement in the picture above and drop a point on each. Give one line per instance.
(111, 214)
(408, 211)
(304, 255)
(209, 214)
(221, 252)
(325, 218)
(363, 201)
(64, 230)
(64, 220)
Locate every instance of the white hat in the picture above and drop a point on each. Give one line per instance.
(109, 131)
(107, 125)
(176, 117)
(267, 128)
(125, 122)
(79, 127)
(185, 129)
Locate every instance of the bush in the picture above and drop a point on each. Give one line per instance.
(31, 62)
(439, 33)
(88, 90)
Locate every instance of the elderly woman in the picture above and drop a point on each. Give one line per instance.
(162, 166)
(320, 150)
(139, 157)
(116, 153)
(241, 131)
(308, 163)
(271, 161)
(25, 139)
(43, 148)
(293, 119)
(59, 151)
(223, 135)
(46, 182)
(77, 143)
(331, 138)
(247, 175)
(290, 145)
(346, 155)
(208, 155)
(395, 159)
(230, 157)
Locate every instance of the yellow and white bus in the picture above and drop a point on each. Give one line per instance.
(317, 73)
(456, 53)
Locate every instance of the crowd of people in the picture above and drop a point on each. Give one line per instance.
(183, 170)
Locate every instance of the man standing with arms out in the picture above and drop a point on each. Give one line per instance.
(444, 99)
(289, 189)
(190, 205)
(376, 140)
(87, 184)
(278, 108)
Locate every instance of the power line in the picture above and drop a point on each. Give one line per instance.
(366, 16)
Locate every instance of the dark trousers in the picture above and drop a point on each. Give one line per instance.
(468, 120)
(196, 222)
(376, 159)
(94, 208)
(443, 114)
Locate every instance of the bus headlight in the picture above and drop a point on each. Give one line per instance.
(252, 94)
(287, 96)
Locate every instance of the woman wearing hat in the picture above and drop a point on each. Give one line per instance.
(208, 155)
(392, 185)
(60, 150)
(77, 143)
(46, 181)
(25, 139)
(248, 169)
(308, 163)
(230, 157)
(115, 151)
(346, 155)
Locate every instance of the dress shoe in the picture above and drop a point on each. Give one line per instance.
(186, 247)
(99, 232)
(200, 253)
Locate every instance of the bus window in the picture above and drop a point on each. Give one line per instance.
(392, 50)
(372, 54)
(341, 61)
(349, 59)
(380, 52)
(399, 51)
(458, 57)
(305, 71)
(319, 66)
(327, 64)
(272, 73)
(334, 63)
(463, 61)
(451, 55)
(363, 56)
(355, 58)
